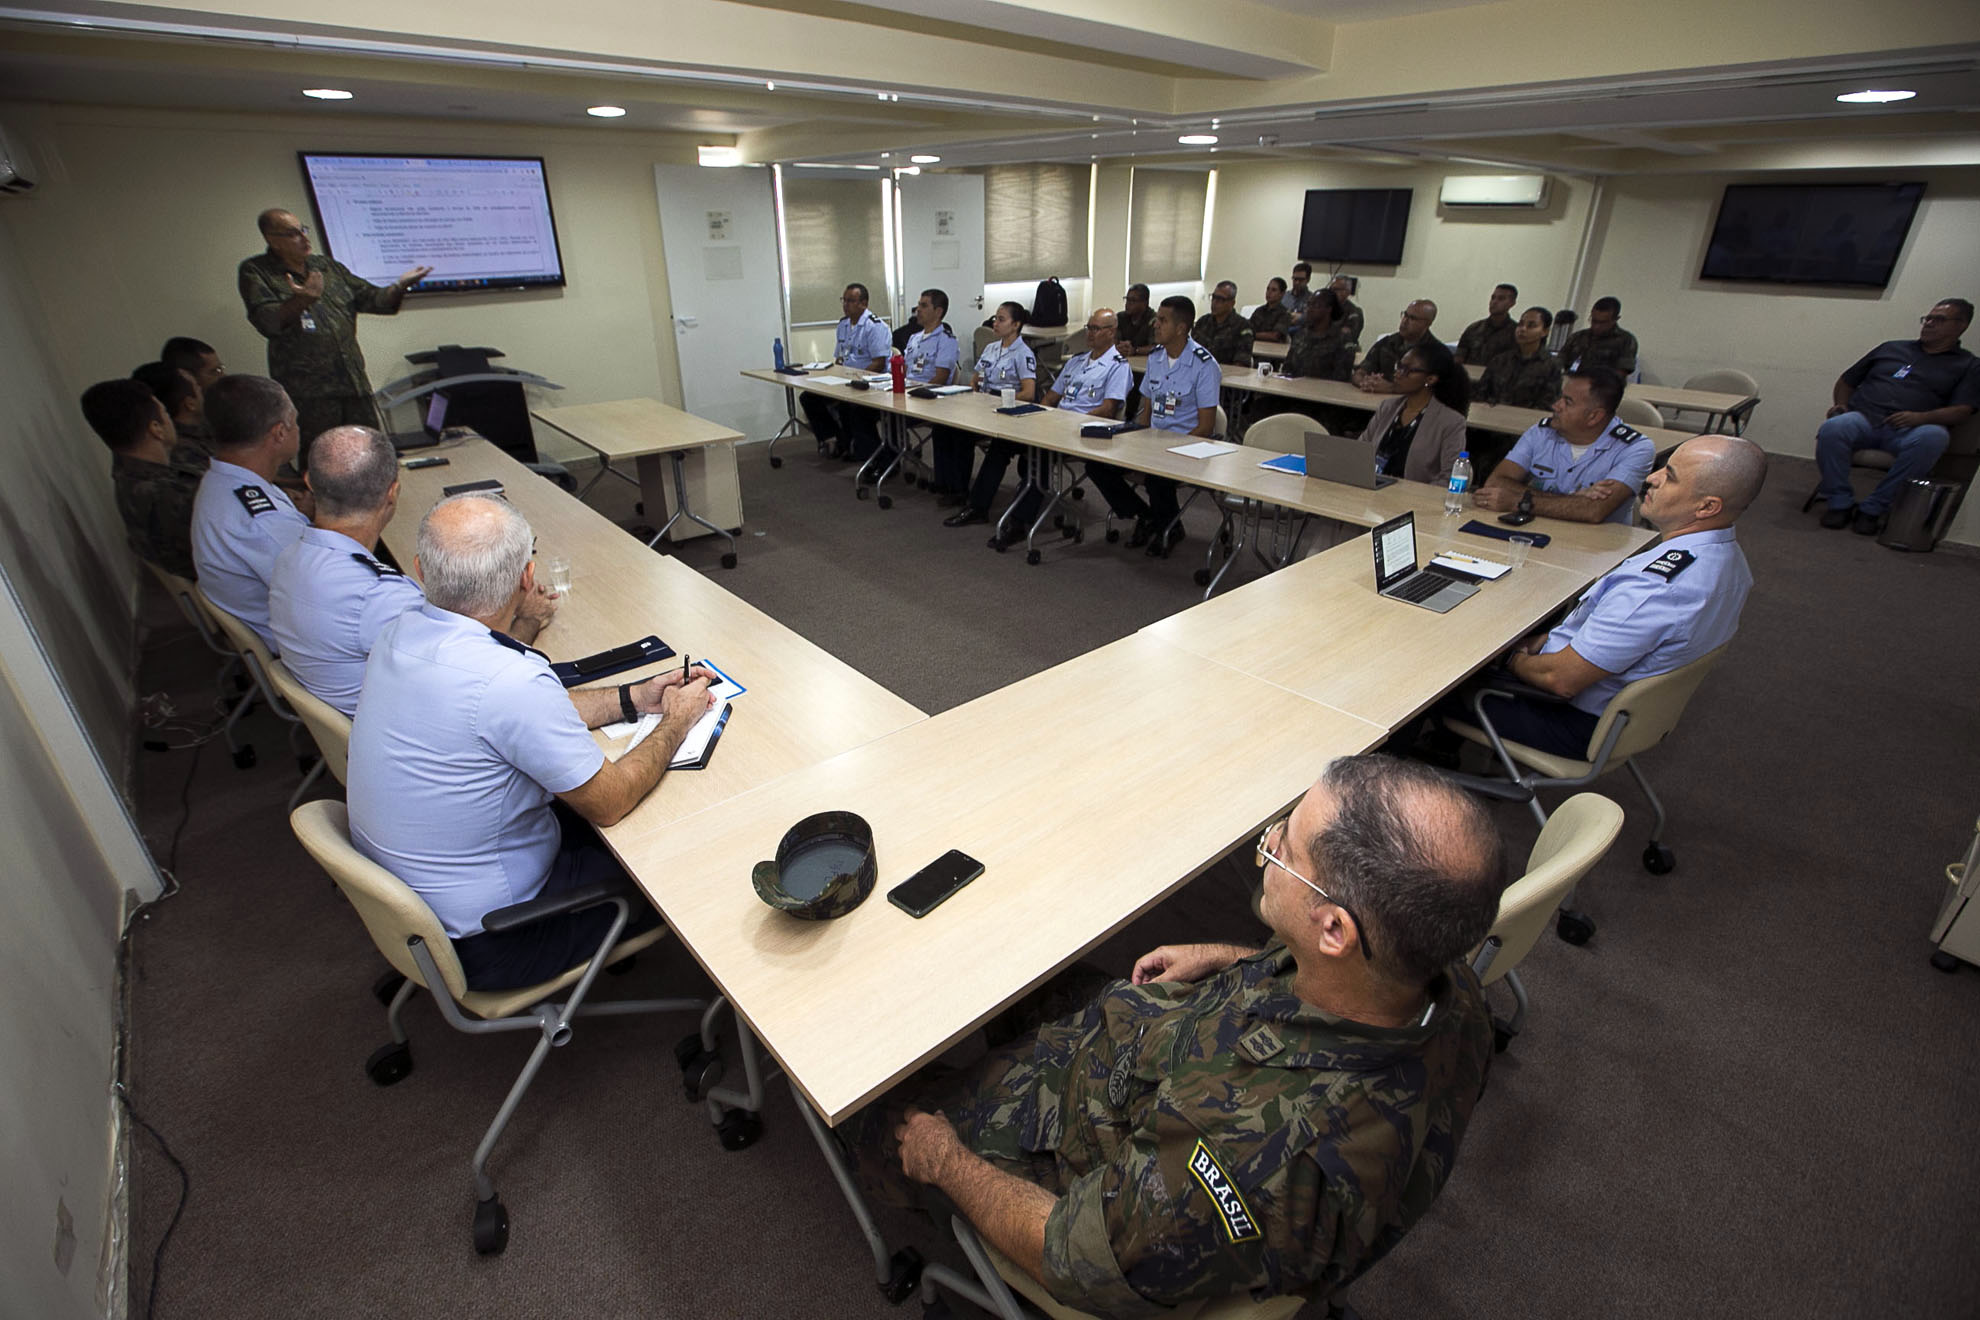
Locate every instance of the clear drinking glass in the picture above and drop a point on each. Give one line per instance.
(557, 575)
(1518, 546)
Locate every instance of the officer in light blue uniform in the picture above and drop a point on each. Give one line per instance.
(241, 519)
(863, 343)
(1179, 393)
(328, 596)
(1660, 609)
(327, 600)
(1006, 363)
(1581, 445)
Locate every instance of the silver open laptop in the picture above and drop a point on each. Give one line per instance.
(1343, 458)
(1398, 577)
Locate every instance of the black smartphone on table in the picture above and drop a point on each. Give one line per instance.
(925, 890)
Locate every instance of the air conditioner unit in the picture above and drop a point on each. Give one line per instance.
(1528, 190)
(12, 167)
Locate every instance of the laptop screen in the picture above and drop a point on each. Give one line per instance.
(1395, 550)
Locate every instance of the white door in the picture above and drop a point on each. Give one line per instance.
(719, 229)
(941, 245)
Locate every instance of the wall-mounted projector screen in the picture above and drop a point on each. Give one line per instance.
(1361, 225)
(481, 222)
(1846, 234)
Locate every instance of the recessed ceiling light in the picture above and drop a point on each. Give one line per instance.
(606, 111)
(1198, 139)
(719, 157)
(1875, 97)
(926, 160)
(326, 93)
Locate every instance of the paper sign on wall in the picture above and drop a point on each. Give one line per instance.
(945, 223)
(721, 226)
(723, 263)
(945, 254)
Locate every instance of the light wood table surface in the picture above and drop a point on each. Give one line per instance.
(1583, 547)
(802, 704)
(644, 430)
(1502, 418)
(1174, 758)
(1318, 628)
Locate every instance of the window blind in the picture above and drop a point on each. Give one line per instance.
(1034, 222)
(832, 227)
(1165, 236)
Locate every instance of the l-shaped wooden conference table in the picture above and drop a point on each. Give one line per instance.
(1077, 835)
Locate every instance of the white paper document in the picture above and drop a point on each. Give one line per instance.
(1202, 449)
(814, 366)
(830, 380)
(695, 745)
(950, 389)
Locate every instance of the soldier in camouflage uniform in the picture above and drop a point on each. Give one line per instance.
(1320, 348)
(1351, 318)
(1525, 375)
(1221, 330)
(1259, 1121)
(1603, 343)
(1272, 320)
(1485, 339)
(154, 476)
(307, 306)
(1376, 373)
(1135, 325)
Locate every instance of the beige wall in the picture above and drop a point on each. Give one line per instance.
(1793, 341)
(1649, 240)
(142, 217)
(1452, 258)
(65, 734)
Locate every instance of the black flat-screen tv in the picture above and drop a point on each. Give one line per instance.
(482, 222)
(1360, 225)
(1811, 233)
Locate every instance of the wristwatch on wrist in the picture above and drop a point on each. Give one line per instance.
(627, 710)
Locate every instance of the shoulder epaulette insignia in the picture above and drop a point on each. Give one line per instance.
(382, 570)
(1626, 433)
(255, 500)
(1671, 563)
(515, 645)
(1203, 353)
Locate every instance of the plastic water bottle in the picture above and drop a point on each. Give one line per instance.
(777, 352)
(1460, 483)
(897, 367)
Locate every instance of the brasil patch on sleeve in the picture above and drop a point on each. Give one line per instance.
(1239, 1226)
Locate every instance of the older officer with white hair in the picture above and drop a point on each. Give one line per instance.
(465, 740)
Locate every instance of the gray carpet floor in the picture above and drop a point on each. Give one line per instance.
(1745, 1098)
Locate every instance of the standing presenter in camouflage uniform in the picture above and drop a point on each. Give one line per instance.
(306, 306)
(1235, 1120)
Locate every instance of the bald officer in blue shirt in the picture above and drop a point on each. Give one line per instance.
(862, 343)
(1661, 608)
(1179, 393)
(465, 738)
(241, 519)
(1582, 465)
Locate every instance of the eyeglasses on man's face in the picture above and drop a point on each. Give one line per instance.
(1269, 844)
(299, 231)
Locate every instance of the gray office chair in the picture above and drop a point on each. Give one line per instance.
(1636, 719)
(1243, 518)
(1958, 464)
(1635, 412)
(1729, 380)
(258, 660)
(413, 941)
(1576, 837)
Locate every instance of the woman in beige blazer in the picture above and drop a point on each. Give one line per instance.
(1419, 433)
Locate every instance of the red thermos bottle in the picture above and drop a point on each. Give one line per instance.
(898, 365)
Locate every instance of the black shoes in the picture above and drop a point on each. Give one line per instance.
(1837, 519)
(1160, 544)
(967, 518)
(1144, 527)
(1866, 524)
